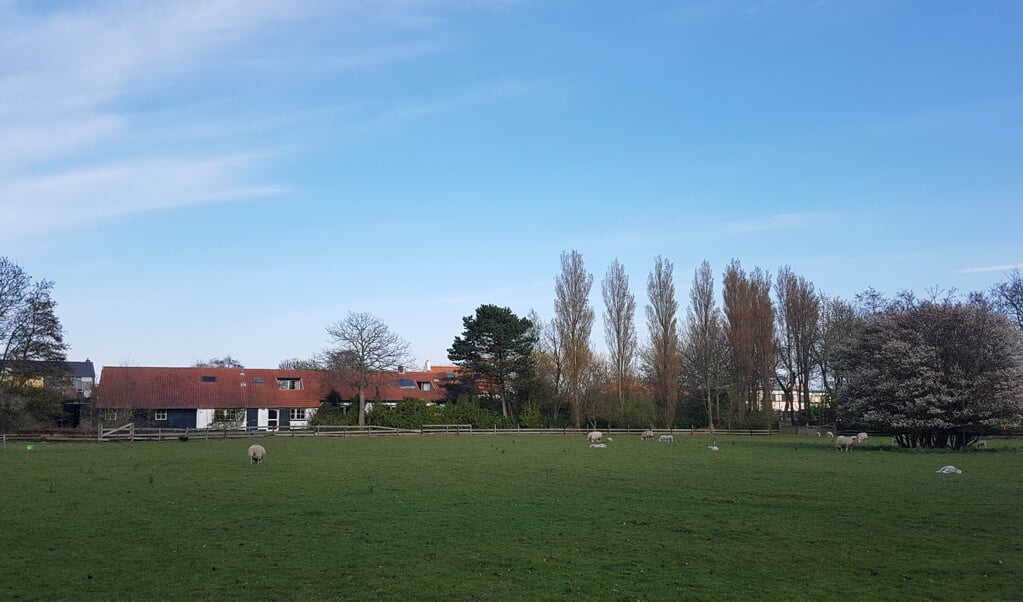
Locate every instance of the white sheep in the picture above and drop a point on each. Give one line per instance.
(861, 437)
(818, 433)
(982, 443)
(844, 443)
(648, 434)
(257, 453)
(594, 436)
(712, 447)
(598, 445)
(949, 470)
(831, 435)
(666, 438)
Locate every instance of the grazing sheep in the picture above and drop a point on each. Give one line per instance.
(647, 435)
(861, 437)
(818, 433)
(949, 470)
(666, 438)
(831, 435)
(257, 453)
(712, 447)
(594, 436)
(844, 443)
(982, 443)
(598, 445)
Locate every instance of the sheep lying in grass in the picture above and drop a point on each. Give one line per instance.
(861, 437)
(712, 447)
(647, 435)
(598, 445)
(844, 443)
(949, 470)
(666, 438)
(257, 453)
(594, 436)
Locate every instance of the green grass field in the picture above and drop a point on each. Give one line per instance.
(508, 518)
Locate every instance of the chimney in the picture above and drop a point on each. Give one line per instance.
(427, 366)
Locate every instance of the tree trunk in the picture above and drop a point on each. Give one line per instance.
(362, 406)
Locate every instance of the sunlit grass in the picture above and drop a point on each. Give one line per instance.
(503, 517)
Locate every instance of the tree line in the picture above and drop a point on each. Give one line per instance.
(867, 359)
(935, 371)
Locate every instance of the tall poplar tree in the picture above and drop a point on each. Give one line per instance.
(704, 348)
(573, 319)
(664, 357)
(619, 328)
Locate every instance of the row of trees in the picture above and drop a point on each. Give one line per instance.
(936, 372)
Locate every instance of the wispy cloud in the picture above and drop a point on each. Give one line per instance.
(47, 203)
(993, 268)
(112, 108)
(69, 144)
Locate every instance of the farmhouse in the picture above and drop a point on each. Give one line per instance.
(264, 399)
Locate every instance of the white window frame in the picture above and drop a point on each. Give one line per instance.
(222, 415)
(289, 384)
(159, 415)
(298, 414)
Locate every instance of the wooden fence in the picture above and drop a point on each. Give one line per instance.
(131, 432)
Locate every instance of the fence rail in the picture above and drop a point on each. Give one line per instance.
(132, 432)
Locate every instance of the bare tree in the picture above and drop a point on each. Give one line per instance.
(664, 357)
(704, 351)
(837, 324)
(218, 362)
(295, 363)
(750, 327)
(619, 327)
(599, 397)
(574, 323)
(1008, 296)
(797, 330)
(547, 361)
(29, 327)
(365, 349)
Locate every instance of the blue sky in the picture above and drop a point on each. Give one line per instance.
(212, 177)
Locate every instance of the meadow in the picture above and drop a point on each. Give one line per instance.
(508, 518)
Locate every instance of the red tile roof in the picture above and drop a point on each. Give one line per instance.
(184, 388)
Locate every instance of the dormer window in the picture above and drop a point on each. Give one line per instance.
(209, 379)
(406, 383)
(285, 384)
